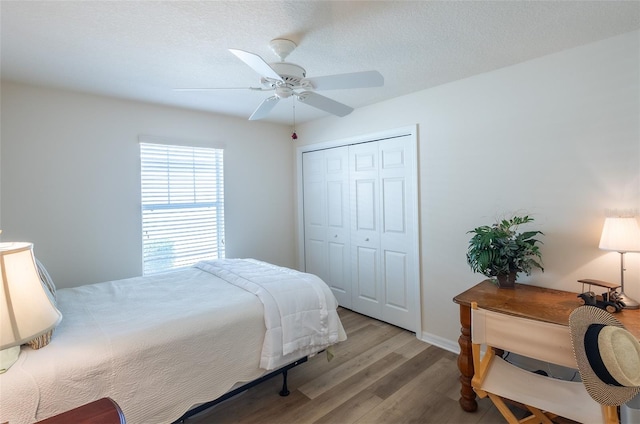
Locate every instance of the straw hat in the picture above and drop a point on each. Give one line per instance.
(608, 356)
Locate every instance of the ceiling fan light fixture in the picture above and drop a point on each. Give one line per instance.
(283, 92)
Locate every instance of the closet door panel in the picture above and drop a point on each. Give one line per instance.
(339, 278)
(365, 269)
(314, 208)
(365, 157)
(335, 204)
(338, 228)
(365, 229)
(337, 268)
(365, 204)
(393, 205)
(314, 257)
(400, 280)
(314, 200)
(395, 276)
(326, 219)
(366, 282)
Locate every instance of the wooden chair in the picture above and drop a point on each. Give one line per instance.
(546, 397)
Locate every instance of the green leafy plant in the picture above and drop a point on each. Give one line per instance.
(499, 250)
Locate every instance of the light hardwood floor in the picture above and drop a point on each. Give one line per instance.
(380, 374)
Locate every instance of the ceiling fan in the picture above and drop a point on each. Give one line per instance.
(287, 79)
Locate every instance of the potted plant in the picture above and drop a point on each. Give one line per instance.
(499, 252)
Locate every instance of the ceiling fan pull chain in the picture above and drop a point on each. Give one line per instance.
(294, 136)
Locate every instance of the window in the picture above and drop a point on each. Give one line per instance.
(182, 206)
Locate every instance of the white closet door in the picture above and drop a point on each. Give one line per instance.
(326, 216)
(360, 226)
(314, 209)
(368, 293)
(397, 232)
(338, 228)
(384, 277)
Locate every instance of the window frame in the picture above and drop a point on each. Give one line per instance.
(169, 191)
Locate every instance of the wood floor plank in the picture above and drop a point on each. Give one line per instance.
(352, 321)
(413, 348)
(269, 409)
(341, 372)
(343, 392)
(351, 410)
(357, 343)
(412, 399)
(255, 403)
(402, 375)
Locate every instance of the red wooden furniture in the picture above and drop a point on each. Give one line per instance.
(101, 411)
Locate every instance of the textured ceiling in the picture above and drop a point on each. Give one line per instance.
(141, 50)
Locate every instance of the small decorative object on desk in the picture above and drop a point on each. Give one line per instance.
(610, 300)
(499, 252)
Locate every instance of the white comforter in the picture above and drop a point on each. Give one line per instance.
(156, 345)
(300, 309)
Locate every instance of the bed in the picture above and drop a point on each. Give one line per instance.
(162, 345)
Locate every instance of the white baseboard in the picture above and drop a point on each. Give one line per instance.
(446, 344)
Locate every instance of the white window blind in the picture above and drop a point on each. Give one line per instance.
(182, 206)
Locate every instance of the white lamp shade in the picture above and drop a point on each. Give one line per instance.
(620, 234)
(26, 311)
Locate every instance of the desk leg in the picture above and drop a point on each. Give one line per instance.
(465, 362)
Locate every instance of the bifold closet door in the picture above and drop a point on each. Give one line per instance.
(326, 219)
(366, 283)
(398, 230)
(384, 277)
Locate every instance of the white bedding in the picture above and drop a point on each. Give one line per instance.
(156, 345)
(300, 309)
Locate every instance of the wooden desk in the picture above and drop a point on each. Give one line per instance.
(527, 301)
(102, 411)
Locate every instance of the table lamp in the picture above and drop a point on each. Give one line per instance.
(26, 311)
(622, 235)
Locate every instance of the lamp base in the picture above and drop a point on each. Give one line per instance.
(8, 357)
(628, 302)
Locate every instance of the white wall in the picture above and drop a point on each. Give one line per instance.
(70, 175)
(557, 138)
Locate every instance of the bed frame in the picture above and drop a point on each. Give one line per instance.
(283, 392)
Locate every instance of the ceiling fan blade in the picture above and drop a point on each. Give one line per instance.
(221, 88)
(351, 80)
(264, 108)
(324, 103)
(257, 64)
